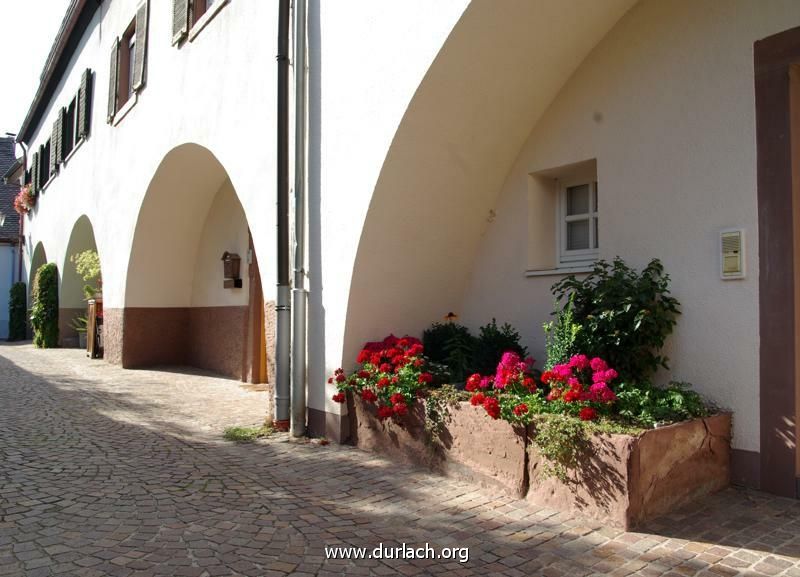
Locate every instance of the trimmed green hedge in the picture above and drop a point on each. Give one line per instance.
(17, 311)
(44, 312)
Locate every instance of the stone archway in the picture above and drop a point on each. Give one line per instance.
(178, 309)
(72, 299)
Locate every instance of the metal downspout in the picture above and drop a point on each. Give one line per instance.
(282, 307)
(299, 292)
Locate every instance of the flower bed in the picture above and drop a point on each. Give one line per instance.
(621, 479)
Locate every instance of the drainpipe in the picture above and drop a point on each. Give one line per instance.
(21, 243)
(282, 307)
(299, 293)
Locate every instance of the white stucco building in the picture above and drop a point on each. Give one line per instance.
(440, 137)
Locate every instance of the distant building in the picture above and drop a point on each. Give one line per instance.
(9, 229)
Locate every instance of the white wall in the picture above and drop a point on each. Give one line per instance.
(225, 229)
(666, 105)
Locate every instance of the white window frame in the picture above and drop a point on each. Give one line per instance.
(581, 257)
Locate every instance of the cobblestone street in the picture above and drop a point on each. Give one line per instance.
(105, 471)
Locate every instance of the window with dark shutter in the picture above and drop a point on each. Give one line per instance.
(53, 151)
(35, 172)
(112, 83)
(62, 114)
(140, 60)
(85, 104)
(180, 20)
(44, 158)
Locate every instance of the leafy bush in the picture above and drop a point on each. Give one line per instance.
(646, 405)
(561, 336)
(44, 312)
(492, 343)
(17, 310)
(87, 264)
(452, 345)
(625, 316)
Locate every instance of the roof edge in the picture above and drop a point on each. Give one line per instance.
(75, 15)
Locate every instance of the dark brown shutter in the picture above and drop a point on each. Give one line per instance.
(85, 104)
(35, 172)
(140, 62)
(180, 20)
(60, 136)
(53, 166)
(112, 81)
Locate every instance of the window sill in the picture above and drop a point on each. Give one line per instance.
(206, 18)
(126, 108)
(73, 151)
(563, 271)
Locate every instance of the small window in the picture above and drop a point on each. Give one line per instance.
(200, 7)
(578, 222)
(127, 64)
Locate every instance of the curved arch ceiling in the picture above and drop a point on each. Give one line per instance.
(497, 73)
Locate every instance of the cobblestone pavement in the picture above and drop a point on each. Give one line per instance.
(112, 472)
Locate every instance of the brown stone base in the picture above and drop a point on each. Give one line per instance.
(334, 427)
(212, 338)
(623, 480)
(67, 335)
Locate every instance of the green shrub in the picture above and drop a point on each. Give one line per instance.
(17, 311)
(87, 265)
(561, 336)
(492, 343)
(44, 311)
(625, 316)
(646, 405)
(452, 345)
(246, 434)
(561, 440)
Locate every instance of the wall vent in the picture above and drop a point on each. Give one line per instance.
(731, 242)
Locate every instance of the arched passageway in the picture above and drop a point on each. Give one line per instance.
(180, 309)
(77, 285)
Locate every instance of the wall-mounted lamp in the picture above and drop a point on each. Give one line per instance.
(231, 263)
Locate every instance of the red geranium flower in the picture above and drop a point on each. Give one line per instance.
(397, 398)
(400, 409)
(363, 356)
(473, 382)
(572, 396)
(339, 397)
(384, 412)
(383, 383)
(477, 399)
(364, 374)
(530, 384)
(340, 378)
(425, 378)
(588, 414)
(385, 368)
(369, 396)
(521, 409)
(492, 407)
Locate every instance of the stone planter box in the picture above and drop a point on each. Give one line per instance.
(624, 481)
(491, 454)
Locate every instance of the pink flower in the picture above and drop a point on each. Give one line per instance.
(598, 364)
(580, 362)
